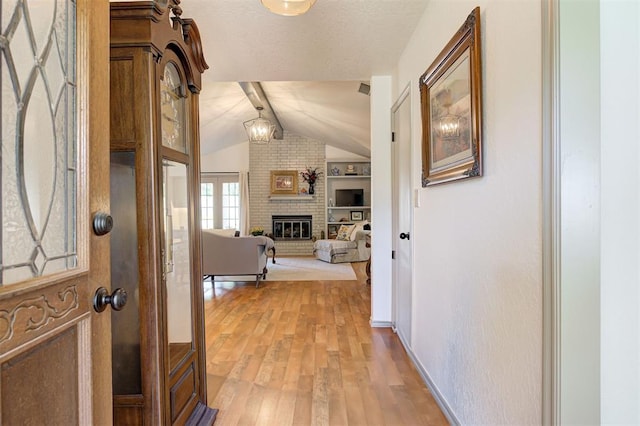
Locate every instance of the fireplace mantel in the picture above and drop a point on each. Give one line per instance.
(292, 198)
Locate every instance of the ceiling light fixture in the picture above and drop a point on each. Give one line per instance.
(260, 130)
(288, 7)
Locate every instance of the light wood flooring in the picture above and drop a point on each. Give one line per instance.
(303, 353)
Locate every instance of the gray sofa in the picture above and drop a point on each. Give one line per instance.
(228, 255)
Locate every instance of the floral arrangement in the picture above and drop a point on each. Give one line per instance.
(256, 230)
(311, 175)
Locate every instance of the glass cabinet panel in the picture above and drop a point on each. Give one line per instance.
(177, 261)
(173, 108)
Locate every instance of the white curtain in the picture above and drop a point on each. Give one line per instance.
(243, 181)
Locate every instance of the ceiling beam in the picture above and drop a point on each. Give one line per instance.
(257, 97)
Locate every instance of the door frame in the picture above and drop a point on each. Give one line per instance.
(550, 215)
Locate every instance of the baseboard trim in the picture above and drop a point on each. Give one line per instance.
(380, 324)
(437, 395)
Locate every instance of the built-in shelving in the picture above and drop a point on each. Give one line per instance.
(336, 179)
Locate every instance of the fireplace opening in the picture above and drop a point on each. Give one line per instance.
(291, 227)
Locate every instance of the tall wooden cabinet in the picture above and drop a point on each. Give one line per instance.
(158, 339)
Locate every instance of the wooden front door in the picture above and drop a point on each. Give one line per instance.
(55, 350)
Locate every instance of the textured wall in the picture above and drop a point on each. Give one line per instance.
(234, 158)
(477, 308)
(291, 153)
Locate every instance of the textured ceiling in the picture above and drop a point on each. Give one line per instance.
(310, 66)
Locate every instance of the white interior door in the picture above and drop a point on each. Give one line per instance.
(402, 246)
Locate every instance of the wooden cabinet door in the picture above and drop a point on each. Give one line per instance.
(55, 350)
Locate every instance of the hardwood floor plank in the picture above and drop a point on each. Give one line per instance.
(302, 412)
(338, 408)
(268, 408)
(252, 405)
(320, 403)
(303, 353)
(285, 410)
(372, 407)
(355, 408)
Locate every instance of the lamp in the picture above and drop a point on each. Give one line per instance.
(259, 129)
(288, 7)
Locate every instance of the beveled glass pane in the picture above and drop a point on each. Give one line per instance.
(39, 157)
(177, 259)
(38, 167)
(125, 325)
(173, 107)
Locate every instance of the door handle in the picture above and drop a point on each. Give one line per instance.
(404, 236)
(102, 298)
(102, 223)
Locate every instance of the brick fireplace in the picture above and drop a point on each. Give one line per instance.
(293, 152)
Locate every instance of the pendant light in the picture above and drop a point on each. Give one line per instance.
(288, 7)
(259, 130)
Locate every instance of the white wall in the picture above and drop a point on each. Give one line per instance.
(620, 213)
(477, 261)
(380, 200)
(234, 158)
(333, 153)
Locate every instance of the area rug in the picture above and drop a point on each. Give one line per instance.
(300, 269)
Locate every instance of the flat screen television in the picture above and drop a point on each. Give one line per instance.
(349, 197)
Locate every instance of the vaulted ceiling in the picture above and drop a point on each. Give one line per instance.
(310, 66)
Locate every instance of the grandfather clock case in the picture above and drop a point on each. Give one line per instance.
(158, 338)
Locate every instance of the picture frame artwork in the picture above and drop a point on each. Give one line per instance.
(451, 107)
(284, 182)
(357, 215)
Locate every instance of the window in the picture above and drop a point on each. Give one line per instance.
(220, 201)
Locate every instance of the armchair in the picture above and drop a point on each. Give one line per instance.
(338, 251)
(226, 255)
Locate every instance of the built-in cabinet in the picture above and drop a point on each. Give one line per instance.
(348, 194)
(158, 339)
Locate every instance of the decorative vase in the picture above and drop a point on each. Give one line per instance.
(312, 188)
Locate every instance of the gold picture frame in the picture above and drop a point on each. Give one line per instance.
(284, 182)
(451, 106)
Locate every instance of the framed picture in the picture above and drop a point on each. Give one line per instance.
(357, 215)
(284, 182)
(451, 104)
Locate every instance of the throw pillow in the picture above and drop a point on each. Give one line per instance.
(345, 232)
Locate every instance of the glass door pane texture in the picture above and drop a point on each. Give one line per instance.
(39, 146)
(177, 261)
